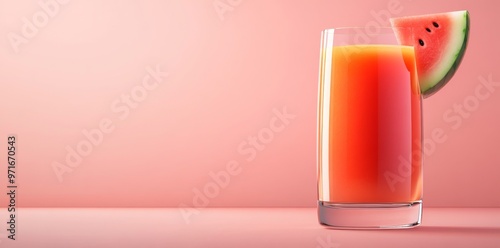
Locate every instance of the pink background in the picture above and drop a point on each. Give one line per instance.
(228, 74)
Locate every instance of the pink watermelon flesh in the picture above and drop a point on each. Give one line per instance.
(439, 40)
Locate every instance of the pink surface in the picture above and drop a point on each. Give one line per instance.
(289, 227)
(238, 103)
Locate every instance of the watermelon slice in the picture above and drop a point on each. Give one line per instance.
(439, 40)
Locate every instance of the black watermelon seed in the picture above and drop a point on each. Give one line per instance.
(428, 29)
(421, 42)
(435, 24)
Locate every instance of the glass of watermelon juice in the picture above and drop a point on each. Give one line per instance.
(369, 131)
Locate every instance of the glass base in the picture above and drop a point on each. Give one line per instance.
(370, 215)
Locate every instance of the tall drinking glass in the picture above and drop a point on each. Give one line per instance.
(369, 131)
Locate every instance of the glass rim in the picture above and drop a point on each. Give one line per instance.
(362, 28)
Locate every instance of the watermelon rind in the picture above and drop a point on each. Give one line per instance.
(454, 66)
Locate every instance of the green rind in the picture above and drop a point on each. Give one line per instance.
(432, 90)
